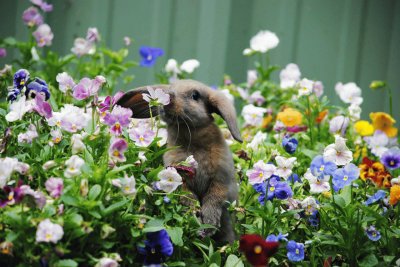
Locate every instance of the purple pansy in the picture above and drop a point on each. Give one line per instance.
(109, 102)
(289, 144)
(43, 35)
(158, 245)
(117, 149)
(11, 195)
(37, 87)
(32, 17)
(43, 5)
(65, 82)
(149, 55)
(380, 194)
(54, 186)
(142, 136)
(3, 52)
(21, 77)
(391, 158)
(88, 87)
(117, 119)
(372, 233)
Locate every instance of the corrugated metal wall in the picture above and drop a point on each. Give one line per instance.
(331, 40)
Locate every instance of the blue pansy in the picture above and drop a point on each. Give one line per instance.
(376, 197)
(289, 144)
(149, 55)
(13, 94)
(345, 176)
(314, 218)
(158, 246)
(294, 178)
(38, 86)
(21, 77)
(372, 233)
(295, 251)
(321, 167)
(279, 237)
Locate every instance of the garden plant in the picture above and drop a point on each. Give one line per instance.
(84, 184)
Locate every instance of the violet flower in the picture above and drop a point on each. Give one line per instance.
(43, 35)
(65, 82)
(38, 86)
(83, 47)
(3, 52)
(32, 17)
(11, 195)
(109, 102)
(43, 5)
(87, 87)
(118, 119)
(149, 55)
(117, 149)
(93, 35)
(42, 107)
(21, 77)
(391, 158)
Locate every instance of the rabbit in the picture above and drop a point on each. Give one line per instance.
(192, 130)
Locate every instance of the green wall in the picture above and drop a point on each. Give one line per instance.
(331, 40)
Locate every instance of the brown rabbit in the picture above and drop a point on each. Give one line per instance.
(191, 128)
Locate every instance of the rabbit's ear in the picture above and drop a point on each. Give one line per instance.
(133, 99)
(223, 107)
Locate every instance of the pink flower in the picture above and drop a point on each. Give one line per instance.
(87, 87)
(117, 148)
(65, 82)
(54, 186)
(43, 35)
(42, 107)
(43, 5)
(108, 102)
(117, 119)
(142, 136)
(3, 52)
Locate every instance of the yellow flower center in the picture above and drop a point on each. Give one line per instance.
(170, 179)
(261, 174)
(11, 196)
(345, 178)
(141, 138)
(258, 249)
(48, 236)
(116, 153)
(57, 140)
(153, 250)
(297, 251)
(73, 127)
(373, 234)
(117, 126)
(22, 82)
(272, 188)
(391, 163)
(322, 168)
(127, 188)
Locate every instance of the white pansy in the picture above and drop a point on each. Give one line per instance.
(289, 76)
(172, 66)
(74, 165)
(317, 184)
(19, 108)
(253, 115)
(305, 87)
(169, 180)
(77, 144)
(285, 166)
(349, 93)
(338, 152)
(7, 166)
(264, 41)
(354, 112)
(257, 141)
(49, 232)
(190, 65)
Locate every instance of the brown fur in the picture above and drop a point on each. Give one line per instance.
(191, 128)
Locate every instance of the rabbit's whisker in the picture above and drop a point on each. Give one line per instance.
(190, 133)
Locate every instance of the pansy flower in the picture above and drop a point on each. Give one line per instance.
(285, 166)
(169, 180)
(21, 78)
(349, 93)
(260, 172)
(142, 135)
(321, 167)
(345, 176)
(364, 128)
(289, 144)
(46, 7)
(109, 102)
(276, 238)
(42, 107)
(338, 125)
(156, 97)
(36, 87)
(378, 143)
(158, 246)
(338, 152)
(43, 35)
(49, 232)
(372, 233)
(54, 186)
(88, 87)
(118, 119)
(394, 194)
(149, 55)
(295, 251)
(11, 195)
(376, 172)
(290, 117)
(73, 166)
(253, 115)
(190, 65)
(256, 249)
(318, 183)
(384, 122)
(380, 194)
(289, 76)
(32, 17)
(305, 87)
(65, 82)
(391, 158)
(117, 149)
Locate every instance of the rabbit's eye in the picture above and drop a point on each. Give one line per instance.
(195, 95)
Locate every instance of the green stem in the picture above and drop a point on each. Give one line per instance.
(390, 101)
(310, 121)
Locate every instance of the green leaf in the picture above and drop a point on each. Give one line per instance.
(388, 259)
(66, 263)
(154, 225)
(69, 200)
(369, 261)
(233, 261)
(118, 169)
(94, 192)
(115, 206)
(346, 195)
(176, 235)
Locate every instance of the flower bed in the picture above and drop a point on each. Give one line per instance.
(83, 183)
